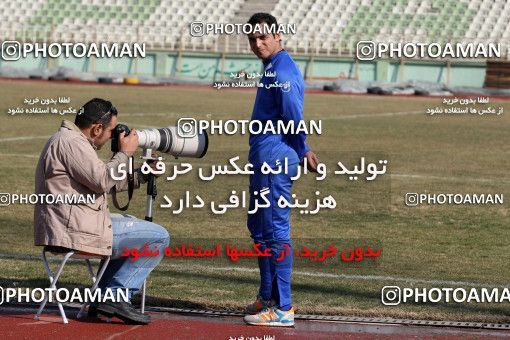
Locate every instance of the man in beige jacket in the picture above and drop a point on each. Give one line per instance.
(69, 165)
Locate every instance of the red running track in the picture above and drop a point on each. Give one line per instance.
(19, 323)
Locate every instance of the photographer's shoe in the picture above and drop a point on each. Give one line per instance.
(272, 317)
(258, 305)
(123, 311)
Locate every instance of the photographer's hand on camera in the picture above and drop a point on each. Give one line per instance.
(129, 143)
(153, 166)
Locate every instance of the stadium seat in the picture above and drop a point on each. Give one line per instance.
(449, 20)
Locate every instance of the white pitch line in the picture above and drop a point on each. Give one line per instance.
(209, 115)
(13, 139)
(141, 114)
(181, 114)
(386, 114)
(141, 126)
(347, 276)
(305, 273)
(375, 115)
(18, 155)
(456, 179)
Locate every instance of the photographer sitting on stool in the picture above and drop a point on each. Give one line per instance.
(69, 165)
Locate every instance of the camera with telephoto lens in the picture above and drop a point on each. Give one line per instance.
(165, 140)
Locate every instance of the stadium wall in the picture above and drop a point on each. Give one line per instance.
(208, 67)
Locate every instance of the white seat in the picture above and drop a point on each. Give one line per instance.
(69, 253)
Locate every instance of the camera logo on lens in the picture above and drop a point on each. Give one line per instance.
(11, 50)
(187, 127)
(411, 199)
(5, 199)
(365, 50)
(196, 29)
(390, 295)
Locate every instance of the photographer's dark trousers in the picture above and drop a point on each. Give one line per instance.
(271, 228)
(132, 233)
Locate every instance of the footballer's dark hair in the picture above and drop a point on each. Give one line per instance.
(258, 18)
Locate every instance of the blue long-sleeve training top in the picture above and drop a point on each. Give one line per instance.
(279, 103)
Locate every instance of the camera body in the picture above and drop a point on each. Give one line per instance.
(120, 128)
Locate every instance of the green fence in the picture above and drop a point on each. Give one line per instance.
(209, 67)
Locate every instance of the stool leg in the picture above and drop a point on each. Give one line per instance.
(53, 283)
(93, 277)
(143, 296)
(99, 276)
(95, 281)
(101, 272)
(48, 272)
(91, 272)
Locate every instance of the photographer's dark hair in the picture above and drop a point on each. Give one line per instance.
(258, 18)
(95, 111)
